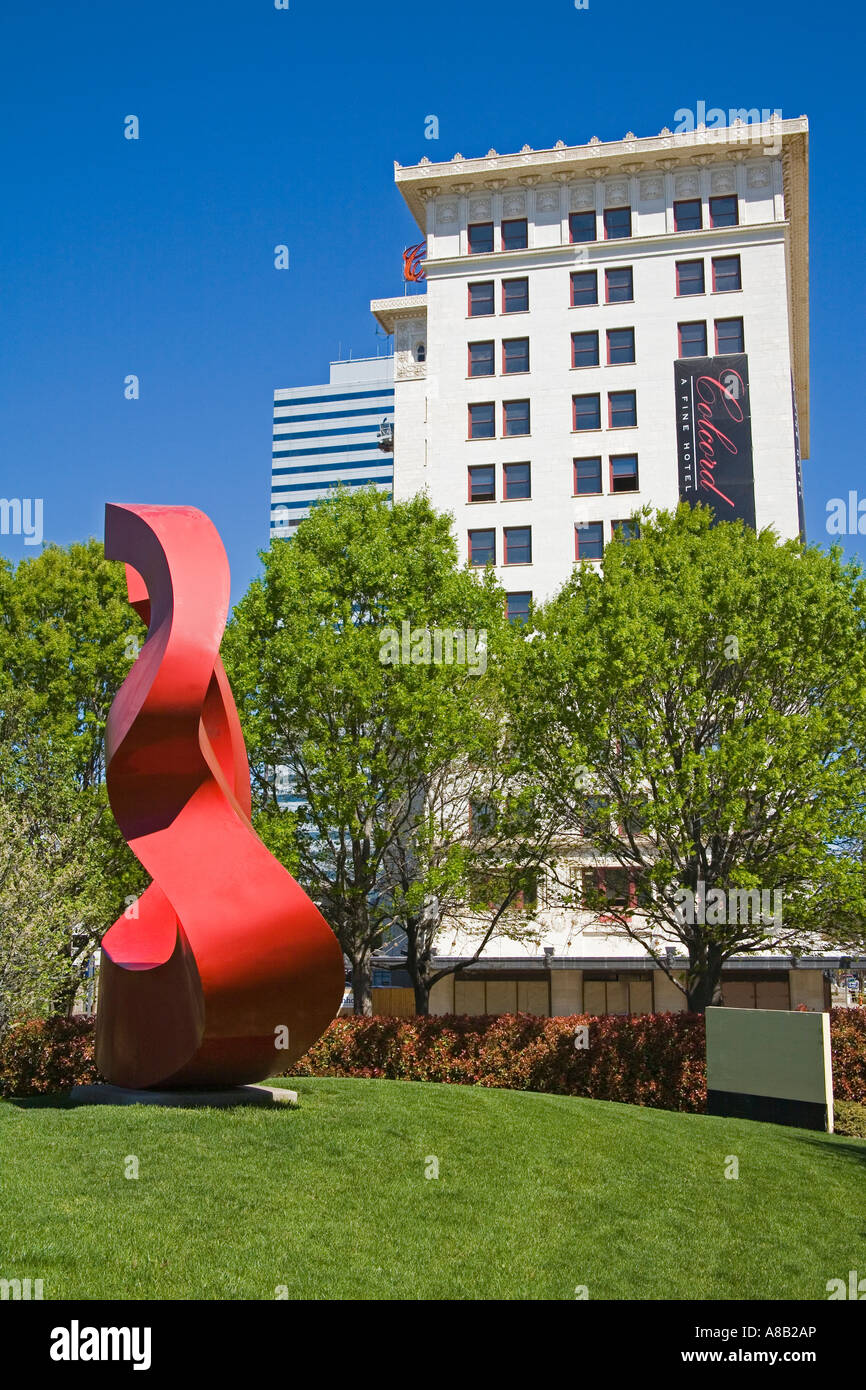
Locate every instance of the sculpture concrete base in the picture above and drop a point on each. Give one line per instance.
(192, 1099)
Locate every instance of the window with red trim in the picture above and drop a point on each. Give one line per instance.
(581, 226)
(515, 355)
(690, 277)
(692, 339)
(482, 547)
(481, 361)
(618, 285)
(729, 336)
(588, 540)
(482, 423)
(515, 234)
(621, 409)
(584, 349)
(687, 215)
(515, 296)
(517, 545)
(482, 483)
(481, 299)
(726, 274)
(620, 346)
(480, 238)
(617, 223)
(584, 287)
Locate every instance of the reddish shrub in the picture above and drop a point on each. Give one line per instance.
(47, 1055)
(652, 1059)
(848, 1044)
(647, 1059)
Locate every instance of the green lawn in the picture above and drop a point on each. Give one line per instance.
(536, 1195)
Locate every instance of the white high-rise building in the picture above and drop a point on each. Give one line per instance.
(605, 326)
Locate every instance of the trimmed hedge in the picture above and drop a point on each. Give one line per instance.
(47, 1055)
(651, 1059)
(647, 1059)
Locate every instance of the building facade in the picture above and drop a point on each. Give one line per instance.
(604, 327)
(339, 433)
(538, 394)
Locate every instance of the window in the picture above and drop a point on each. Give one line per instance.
(482, 547)
(595, 817)
(690, 277)
(584, 287)
(687, 215)
(723, 211)
(482, 816)
(623, 473)
(581, 226)
(627, 530)
(515, 296)
(729, 336)
(621, 409)
(587, 476)
(587, 412)
(584, 349)
(517, 606)
(515, 417)
(518, 545)
(481, 359)
(515, 355)
(618, 287)
(516, 481)
(617, 223)
(481, 421)
(482, 483)
(515, 235)
(588, 540)
(692, 339)
(480, 238)
(620, 345)
(420, 352)
(481, 299)
(614, 886)
(726, 273)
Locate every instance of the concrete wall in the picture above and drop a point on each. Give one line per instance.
(566, 992)
(807, 987)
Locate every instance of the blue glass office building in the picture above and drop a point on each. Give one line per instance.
(324, 435)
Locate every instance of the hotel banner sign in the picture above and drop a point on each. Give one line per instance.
(714, 435)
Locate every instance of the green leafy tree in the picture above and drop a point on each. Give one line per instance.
(697, 706)
(333, 661)
(67, 640)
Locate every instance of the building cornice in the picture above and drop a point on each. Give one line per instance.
(389, 312)
(420, 182)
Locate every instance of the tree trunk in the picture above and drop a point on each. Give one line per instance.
(422, 994)
(362, 989)
(704, 981)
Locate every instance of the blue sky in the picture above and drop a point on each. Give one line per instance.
(261, 126)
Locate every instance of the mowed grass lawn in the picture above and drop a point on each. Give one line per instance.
(536, 1195)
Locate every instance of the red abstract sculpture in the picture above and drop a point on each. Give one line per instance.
(227, 959)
